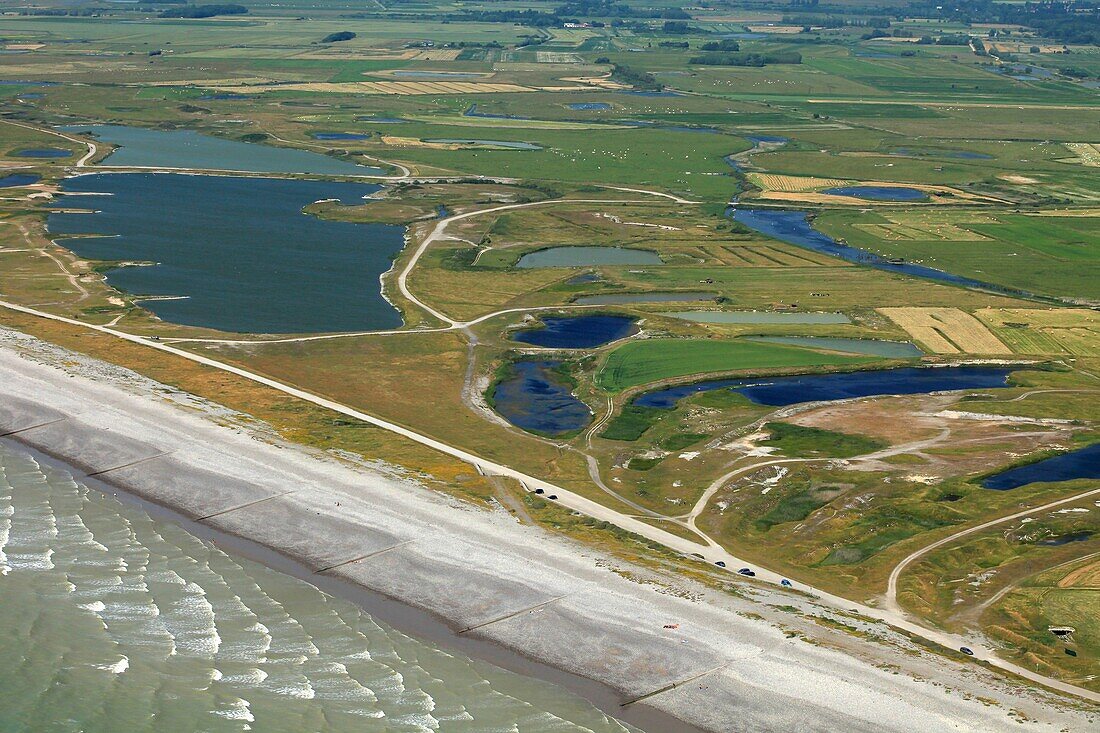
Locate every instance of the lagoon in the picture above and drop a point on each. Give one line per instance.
(585, 256)
(238, 253)
(143, 148)
(18, 179)
(536, 398)
(1078, 464)
(780, 391)
(577, 332)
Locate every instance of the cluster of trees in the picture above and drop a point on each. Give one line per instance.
(1068, 21)
(611, 9)
(747, 59)
(204, 11)
(638, 79)
(723, 45)
(338, 36)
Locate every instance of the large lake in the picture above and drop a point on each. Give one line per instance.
(118, 621)
(143, 148)
(238, 254)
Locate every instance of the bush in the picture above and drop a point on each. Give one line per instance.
(337, 37)
(204, 11)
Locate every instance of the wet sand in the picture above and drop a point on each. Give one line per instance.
(476, 580)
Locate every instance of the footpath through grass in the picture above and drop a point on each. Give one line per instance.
(642, 362)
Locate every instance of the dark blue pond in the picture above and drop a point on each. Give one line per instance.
(537, 399)
(1065, 539)
(768, 138)
(878, 193)
(778, 391)
(577, 332)
(43, 153)
(381, 120)
(340, 136)
(1083, 463)
(220, 96)
(589, 106)
(32, 95)
(18, 179)
(794, 228)
(239, 254)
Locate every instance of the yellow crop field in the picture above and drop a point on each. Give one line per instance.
(1087, 576)
(1073, 331)
(793, 184)
(946, 330)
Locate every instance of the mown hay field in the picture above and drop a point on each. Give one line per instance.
(946, 330)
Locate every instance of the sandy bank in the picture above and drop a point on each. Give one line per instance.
(484, 575)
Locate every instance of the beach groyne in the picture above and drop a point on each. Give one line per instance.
(484, 576)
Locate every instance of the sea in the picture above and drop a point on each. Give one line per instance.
(117, 620)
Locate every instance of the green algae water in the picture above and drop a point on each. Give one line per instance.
(117, 621)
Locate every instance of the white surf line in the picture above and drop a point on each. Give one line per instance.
(581, 504)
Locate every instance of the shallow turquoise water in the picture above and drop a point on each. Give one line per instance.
(141, 147)
(115, 621)
(874, 347)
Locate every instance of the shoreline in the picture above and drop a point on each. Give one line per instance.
(406, 619)
(520, 592)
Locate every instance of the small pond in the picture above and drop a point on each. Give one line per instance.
(381, 120)
(1082, 463)
(1065, 539)
(577, 332)
(654, 297)
(778, 391)
(144, 148)
(589, 106)
(222, 96)
(872, 347)
(340, 136)
(43, 153)
(537, 398)
(879, 193)
(18, 179)
(587, 257)
(759, 317)
(510, 144)
(232, 253)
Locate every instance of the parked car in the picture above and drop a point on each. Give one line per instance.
(786, 583)
(746, 572)
(966, 650)
(720, 564)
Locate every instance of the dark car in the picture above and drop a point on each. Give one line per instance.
(540, 491)
(553, 497)
(966, 650)
(786, 583)
(746, 572)
(720, 564)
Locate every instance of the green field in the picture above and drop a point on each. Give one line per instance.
(644, 362)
